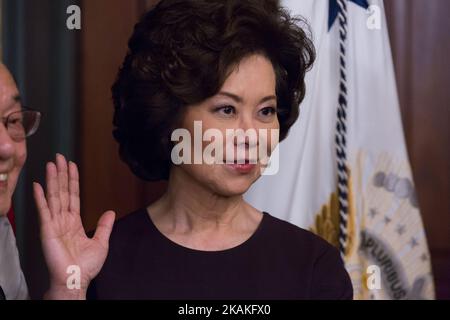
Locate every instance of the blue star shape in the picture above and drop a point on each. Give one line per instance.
(334, 9)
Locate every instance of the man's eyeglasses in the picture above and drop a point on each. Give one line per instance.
(22, 124)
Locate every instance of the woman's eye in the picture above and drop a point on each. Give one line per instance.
(268, 111)
(226, 110)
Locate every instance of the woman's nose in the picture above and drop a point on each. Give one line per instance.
(249, 130)
(6, 143)
(246, 122)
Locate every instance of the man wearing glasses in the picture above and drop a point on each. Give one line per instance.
(17, 123)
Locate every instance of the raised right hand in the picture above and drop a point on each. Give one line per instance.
(64, 240)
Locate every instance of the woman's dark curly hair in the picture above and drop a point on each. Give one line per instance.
(181, 53)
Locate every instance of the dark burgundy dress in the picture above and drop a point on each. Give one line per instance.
(279, 261)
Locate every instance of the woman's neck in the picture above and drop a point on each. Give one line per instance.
(189, 207)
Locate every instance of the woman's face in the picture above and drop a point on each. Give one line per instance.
(247, 100)
(12, 153)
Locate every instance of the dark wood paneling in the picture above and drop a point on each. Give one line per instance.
(419, 32)
(106, 182)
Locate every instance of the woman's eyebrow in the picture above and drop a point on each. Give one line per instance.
(231, 95)
(272, 97)
(240, 100)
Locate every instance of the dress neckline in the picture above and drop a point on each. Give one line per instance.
(240, 246)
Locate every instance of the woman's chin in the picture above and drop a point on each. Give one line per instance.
(237, 184)
(234, 187)
(224, 180)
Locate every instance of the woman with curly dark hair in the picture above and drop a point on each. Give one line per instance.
(223, 65)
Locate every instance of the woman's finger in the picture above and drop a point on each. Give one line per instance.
(41, 203)
(104, 228)
(53, 190)
(63, 182)
(74, 188)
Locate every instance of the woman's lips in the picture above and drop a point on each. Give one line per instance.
(241, 168)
